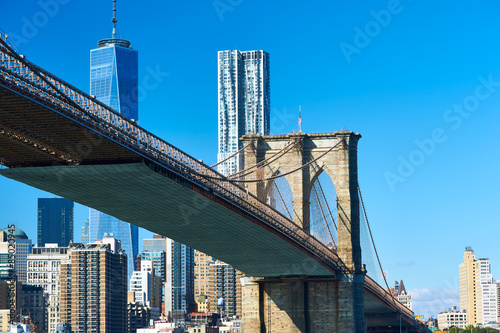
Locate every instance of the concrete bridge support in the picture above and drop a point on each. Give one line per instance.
(303, 304)
(309, 304)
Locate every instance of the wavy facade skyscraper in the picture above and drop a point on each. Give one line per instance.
(114, 81)
(244, 102)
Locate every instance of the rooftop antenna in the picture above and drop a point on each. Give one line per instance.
(114, 20)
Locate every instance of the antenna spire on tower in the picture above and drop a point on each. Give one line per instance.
(114, 20)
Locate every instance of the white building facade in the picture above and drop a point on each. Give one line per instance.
(244, 102)
(452, 318)
(140, 284)
(488, 295)
(43, 271)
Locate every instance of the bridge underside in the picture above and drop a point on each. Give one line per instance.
(139, 195)
(135, 193)
(380, 316)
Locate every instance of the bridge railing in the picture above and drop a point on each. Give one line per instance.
(52, 91)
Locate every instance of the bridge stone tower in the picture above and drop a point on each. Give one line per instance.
(336, 302)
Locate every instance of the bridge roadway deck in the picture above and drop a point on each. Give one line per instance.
(51, 149)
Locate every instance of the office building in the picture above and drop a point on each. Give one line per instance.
(85, 233)
(55, 221)
(244, 102)
(23, 248)
(478, 291)
(114, 81)
(159, 250)
(93, 284)
(182, 280)
(43, 271)
(7, 268)
(154, 263)
(114, 74)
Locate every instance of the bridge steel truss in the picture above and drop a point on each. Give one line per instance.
(20, 77)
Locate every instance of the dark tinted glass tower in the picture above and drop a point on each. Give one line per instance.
(113, 80)
(55, 221)
(182, 280)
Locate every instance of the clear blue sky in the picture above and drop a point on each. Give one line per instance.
(396, 82)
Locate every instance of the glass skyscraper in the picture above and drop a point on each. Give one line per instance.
(114, 81)
(182, 280)
(55, 221)
(113, 76)
(244, 102)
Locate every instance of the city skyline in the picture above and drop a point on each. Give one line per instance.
(401, 84)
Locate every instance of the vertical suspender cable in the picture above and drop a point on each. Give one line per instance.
(373, 242)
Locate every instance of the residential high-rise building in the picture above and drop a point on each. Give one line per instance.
(182, 280)
(244, 107)
(138, 316)
(128, 234)
(140, 284)
(33, 306)
(55, 221)
(93, 284)
(114, 81)
(202, 278)
(478, 291)
(498, 300)
(43, 271)
(244, 102)
(225, 294)
(5, 320)
(22, 248)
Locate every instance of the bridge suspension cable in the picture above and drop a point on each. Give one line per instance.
(264, 162)
(228, 158)
(280, 195)
(324, 216)
(373, 242)
(327, 205)
(282, 174)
